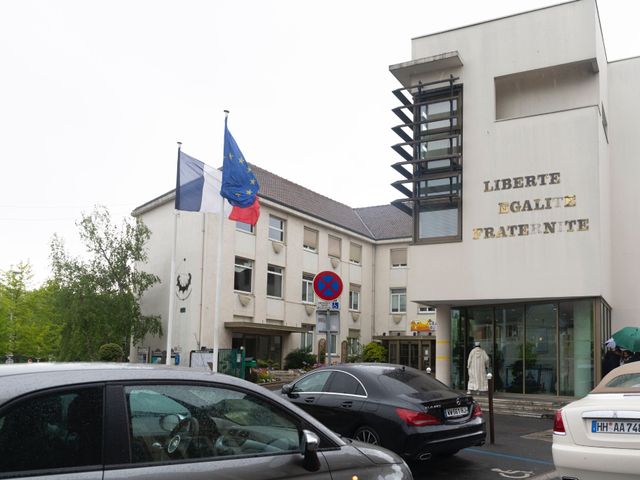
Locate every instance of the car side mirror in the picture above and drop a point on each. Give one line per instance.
(310, 443)
(287, 389)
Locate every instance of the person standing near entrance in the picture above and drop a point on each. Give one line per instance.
(612, 358)
(477, 365)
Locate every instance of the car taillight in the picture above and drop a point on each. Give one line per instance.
(558, 424)
(477, 411)
(416, 419)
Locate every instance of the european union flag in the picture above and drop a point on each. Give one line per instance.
(239, 184)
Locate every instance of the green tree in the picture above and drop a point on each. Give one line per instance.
(98, 297)
(29, 325)
(374, 352)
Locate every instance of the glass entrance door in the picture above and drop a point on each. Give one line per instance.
(540, 349)
(509, 352)
(410, 354)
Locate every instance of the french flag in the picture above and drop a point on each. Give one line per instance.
(197, 186)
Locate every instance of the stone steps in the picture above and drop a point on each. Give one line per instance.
(523, 407)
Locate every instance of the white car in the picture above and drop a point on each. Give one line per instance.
(598, 436)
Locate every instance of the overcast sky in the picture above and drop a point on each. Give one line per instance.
(94, 96)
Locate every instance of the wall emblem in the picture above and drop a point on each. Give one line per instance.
(183, 286)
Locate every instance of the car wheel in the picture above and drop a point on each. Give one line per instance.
(367, 435)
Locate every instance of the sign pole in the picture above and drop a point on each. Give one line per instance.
(492, 435)
(328, 286)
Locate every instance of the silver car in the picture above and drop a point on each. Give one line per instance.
(113, 421)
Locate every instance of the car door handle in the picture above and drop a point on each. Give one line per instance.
(310, 399)
(347, 404)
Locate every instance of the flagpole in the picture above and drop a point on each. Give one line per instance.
(202, 277)
(172, 278)
(216, 311)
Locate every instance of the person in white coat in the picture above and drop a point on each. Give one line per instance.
(477, 365)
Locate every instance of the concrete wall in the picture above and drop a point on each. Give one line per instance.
(624, 144)
(531, 106)
(550, 36)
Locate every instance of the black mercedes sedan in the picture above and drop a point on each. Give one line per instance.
(400, 408)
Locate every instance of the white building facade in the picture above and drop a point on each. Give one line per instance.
(517, 228)
(518, 166)
(267, 299)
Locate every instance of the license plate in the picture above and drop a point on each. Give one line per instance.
(618, 426)
(456, 412)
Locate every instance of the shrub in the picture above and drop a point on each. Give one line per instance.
(374, 352)
(299, 358)
(110, 352)
(355, 358)
(262, 375)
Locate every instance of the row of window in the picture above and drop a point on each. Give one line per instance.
(310, 242)
(432, 161)
(277, 233)
(242, 282)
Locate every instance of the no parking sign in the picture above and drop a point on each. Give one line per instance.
(327, 285)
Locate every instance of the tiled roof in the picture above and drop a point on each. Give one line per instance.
(292, 195)
(386, 222)
(378, 223)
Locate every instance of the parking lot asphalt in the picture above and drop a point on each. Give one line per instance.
(522, 450)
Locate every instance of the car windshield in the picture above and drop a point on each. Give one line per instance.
(411, 382)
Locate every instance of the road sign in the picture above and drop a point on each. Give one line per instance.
(327, 285)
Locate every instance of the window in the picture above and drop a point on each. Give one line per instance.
(437, 185)
(354, 297)
(398, 257)
(438, 219)
(398, 300)
(306, 339)
(308, 295)
(353, 344)
(310, 241)
(196, 421)
(355, 253)
(274, 281)
(335, 247)
(242, 275)
(423, 309)
(313, 383)
(276, 229)
(346, 384)
(244, 227)
(55, 430)
(333, 339)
